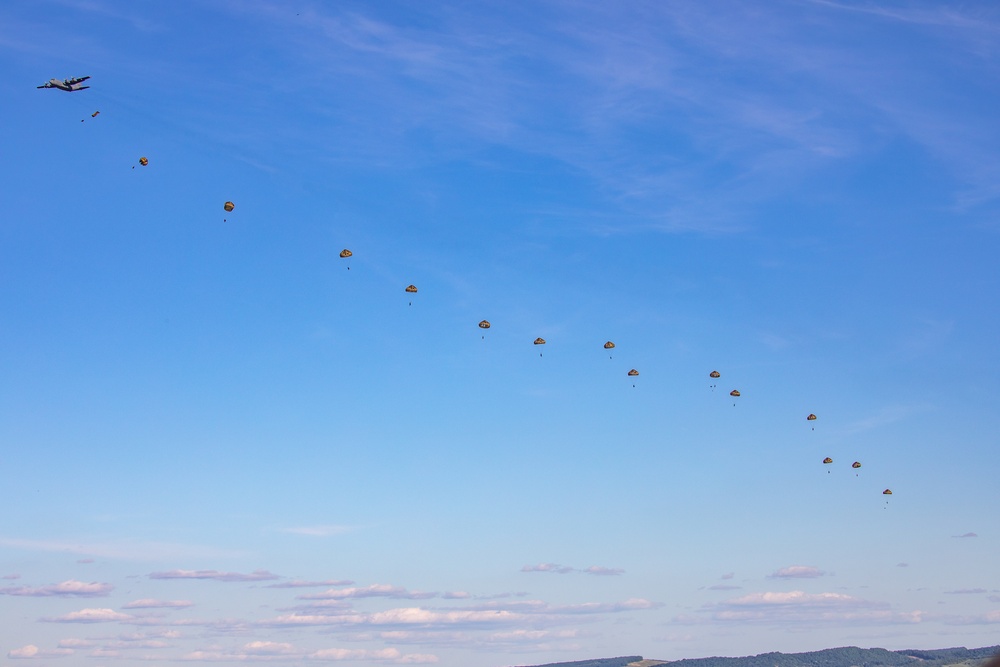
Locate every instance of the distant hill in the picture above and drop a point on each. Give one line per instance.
(848, 656)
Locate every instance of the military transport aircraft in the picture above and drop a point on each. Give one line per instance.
(69, 85)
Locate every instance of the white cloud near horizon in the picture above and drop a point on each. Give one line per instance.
(801, 608)
(31, 651)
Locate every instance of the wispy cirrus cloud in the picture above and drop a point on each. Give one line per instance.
(318, 531)
(371, 591)
(150, 603)
(69, 588)
(553, 568)
(797, 572)
(301, 583)
(216, 575)
(966, 535)
(967, 591)
(128, 550)
(556, 568)
(102, 615)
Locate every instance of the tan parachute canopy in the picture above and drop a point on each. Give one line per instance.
(735, 393)
(229, 206)
(539, 341)
(828, 460)
(633, 373)
(346, 253)
(95, 114)
(715, 374)
(609, 345)
(856, 464)
(411, 289)
(811, 417)
(143, 161)
(484, 324)
(887, 492)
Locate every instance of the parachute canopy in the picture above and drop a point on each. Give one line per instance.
(715, 374)
(346, 253)
(828, 460)
(633, 372)
(229, 206)
(411, 289)
(856, 464)
(484, 324)
(887, 492)
(734, 393)
(95, 114)
(609, 345)
(143, 161)
(539, 341)
(811, 417)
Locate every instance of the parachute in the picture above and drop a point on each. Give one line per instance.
(412, 289)
(609, 346)
(143, 161)
(811, 417)
(856, 464)
(95, 114)
(828, 460)
(633, 373)
(484, 324)
(735, 393)
(714, 375)
(229, 206)
(539, 341)
(887, 492)
(345, 253)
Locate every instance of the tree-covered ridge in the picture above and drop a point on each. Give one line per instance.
(847, 656)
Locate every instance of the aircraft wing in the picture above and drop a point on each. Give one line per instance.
(75, 81)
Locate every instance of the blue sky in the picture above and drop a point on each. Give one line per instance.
(220, 444)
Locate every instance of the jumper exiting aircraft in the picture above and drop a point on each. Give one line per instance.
(69, 85)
